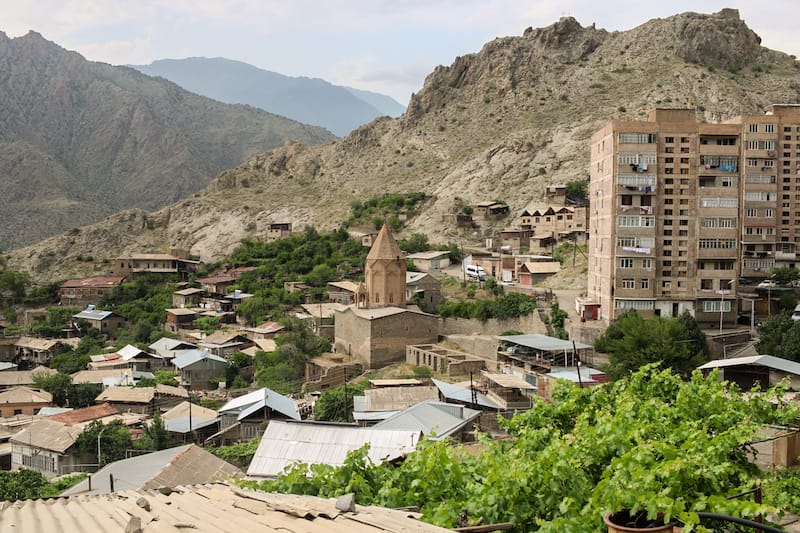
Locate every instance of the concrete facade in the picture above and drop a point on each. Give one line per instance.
(680, 210)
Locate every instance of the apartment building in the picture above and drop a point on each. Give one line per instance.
(680, 210)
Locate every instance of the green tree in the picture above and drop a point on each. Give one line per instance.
(83, 394)
(333, 406)
(207, 324)
(115, 439)
(578, 190)
(418, 242)
(156, 436)
(21, 485)
(70, 362)
(784, 275)
(632, 342)
(779, 335)
(58, 385)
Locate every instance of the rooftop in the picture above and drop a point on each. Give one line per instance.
(544, 343)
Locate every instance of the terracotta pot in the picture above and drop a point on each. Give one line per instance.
(616, 523)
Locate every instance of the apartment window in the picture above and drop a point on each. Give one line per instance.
(633, 221)
(669, 140)
(752, 162)
(718, 202)
(769, 213)
(769, 145)
(769, 128)
(716, 306)
(717, 243)
(637, 138)
(633, 304)
(647, 264)
(683, 233)
(626, 262)
(628, 283)
(645, 283)
(760, 196)
(684, 160)
(753, 128)
(752, 213)
(752, 145)
(684, 140)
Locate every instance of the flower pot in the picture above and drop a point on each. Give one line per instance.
(623, 521)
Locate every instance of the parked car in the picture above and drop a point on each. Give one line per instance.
(796, 313)
(476, 272)
(767, 284)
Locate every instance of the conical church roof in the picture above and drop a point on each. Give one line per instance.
(384, 247)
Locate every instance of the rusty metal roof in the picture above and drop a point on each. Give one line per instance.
(205, 508)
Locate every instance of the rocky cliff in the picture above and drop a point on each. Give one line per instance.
(502, 123)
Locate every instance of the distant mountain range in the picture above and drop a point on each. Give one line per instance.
(308, 100)
(80, 140)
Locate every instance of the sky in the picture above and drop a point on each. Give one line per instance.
(386, 46)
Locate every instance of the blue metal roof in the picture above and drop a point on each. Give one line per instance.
(194, 356)
(460, 394)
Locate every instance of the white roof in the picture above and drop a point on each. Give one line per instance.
(285, 443)
(251, 402)
(769, 361)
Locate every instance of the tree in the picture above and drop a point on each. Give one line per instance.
(779, 335)
(115, 439)
(83, 394)
(418, 242)
(208, 324)
(336, 404)
(58, 385)
(784, 276)
(156, 436)
(632, 342)
(21, 485)
(577, 190)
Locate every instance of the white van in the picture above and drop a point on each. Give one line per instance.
(796, 313)
(476, 272)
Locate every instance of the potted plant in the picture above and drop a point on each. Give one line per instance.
(624, 521)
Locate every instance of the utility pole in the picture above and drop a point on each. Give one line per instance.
(346, 410)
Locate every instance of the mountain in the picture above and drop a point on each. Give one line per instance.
(307, 100)
(503, 123)
(80, 140)
(387, 105)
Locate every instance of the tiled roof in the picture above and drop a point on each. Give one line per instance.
(21, 394)
(97, 281)
(384, 246)
(85, 414)
(48, 435)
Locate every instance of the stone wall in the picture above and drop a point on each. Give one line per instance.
(468, 326)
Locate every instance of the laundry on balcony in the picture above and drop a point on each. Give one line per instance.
(636, 250)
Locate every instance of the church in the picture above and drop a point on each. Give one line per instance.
(376, 329)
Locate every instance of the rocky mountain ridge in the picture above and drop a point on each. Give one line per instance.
(502, 123)
(80, 140)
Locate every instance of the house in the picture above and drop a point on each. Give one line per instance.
(515, 239)
(342, 292)
(509, 391)
(535, 272)
(555, 220)
(104, 321)
(7, 347)
(245, 417)
(267, 330)
(86, 291)
(278, 230)
(143, 399)
(169, 348)
(180, 318)
(323, 315)
(86, 414)
(329, 370)
(488, 210)
(433, 261)
(285, 443)
(173, 467)
(198, 368)
(34, 351)
(22, 400)
(261, 345)
(444, 360)
(48, 447)
(434, 419)
(107, 361)
(381, 403)
(190, 423)
(109, 377)
(163, 264)
(216, 285)
(187, 298)
(225, 343)
(424, 291)
(128, 357)
(764, 370)
(217, 507)
(13, 378)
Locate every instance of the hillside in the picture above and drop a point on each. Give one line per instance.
(307, 100)
(80, 140)
(502, 123)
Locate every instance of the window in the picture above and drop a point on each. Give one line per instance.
(717, 243)
(626, 262)
(628, 283)
(769, 213)
(633, 304)
(634, 221)
(769, 128)
(716, 306)
(752, 213)
(645, 283)
(752, 145)
(637, 138)
(718, 202)
(760, 196)
(647, 264)
(753, 128)
(669, 140)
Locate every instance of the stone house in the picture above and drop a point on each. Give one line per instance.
(23, 401)
(178, 264)
(216, 285)
(247, 416)
(187, 298)
(198, 368)
(278, 230)
(48, 447)
(86, 291)
(225, 343)
(423, 290)
(343, 292)
(432, 261)
(143, 399)
(180, 318)
(104, 321)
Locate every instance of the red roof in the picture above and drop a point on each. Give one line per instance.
(85, 414)
(97, 281)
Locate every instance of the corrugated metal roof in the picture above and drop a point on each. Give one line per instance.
(195, 356)
(48, 435)
(428, 255)
(93, 314)
(184, 424)
(85, 414)
(205, 508)
(166, 347)
(509, 381)
(124, 375)
(769, 361)
(252, 402)
(183, 408)
(435, 419)
(10, 378)
(184, 465)
(542, 342)
(460, 394)
(21, 394)
(285, 443)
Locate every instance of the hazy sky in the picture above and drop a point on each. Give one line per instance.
(387, 46)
